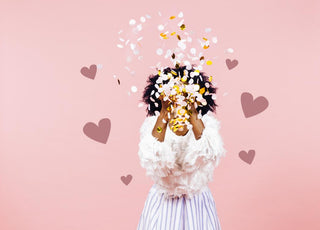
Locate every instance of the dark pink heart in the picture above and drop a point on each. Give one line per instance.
(126, 180)
(89, 73)
(99, 132)
(247, 157)
(231, 64)
(252, 107)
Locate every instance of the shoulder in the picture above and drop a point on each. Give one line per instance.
(210, 120)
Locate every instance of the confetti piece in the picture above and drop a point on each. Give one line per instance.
(118, 81)
(173, 33)
(182, 45)
(127, 42)
(208, 30)
(160, 27)
(114, 76)
(183, 26)
(159, 51)
(178, 36)
(139, 27)
(202, 57)
(230, 50)
(180, 15)
(202, 90)
(132, 46)
(205, 47)
(189, 39)
(210, 78)
(120, 31)
(134, 89)
(193, 51)
(215, 40)
(214, 96)
(140, 104)
(132, 22)
(139, 39)
(159, 13)
(99, 66)
(148, 16)
(120, 46)
(135, 51)
(121, 39)
(172, 17)
(209, 62)
(173, 56)
(142, 19)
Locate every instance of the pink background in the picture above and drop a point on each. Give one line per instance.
(54, 177)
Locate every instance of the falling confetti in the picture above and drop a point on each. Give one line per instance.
(132, 22)
(134, 89)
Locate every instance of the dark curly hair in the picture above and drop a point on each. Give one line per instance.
(200, 79)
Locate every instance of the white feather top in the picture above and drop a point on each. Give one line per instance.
(181, 164)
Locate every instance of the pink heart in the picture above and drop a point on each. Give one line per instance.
(99, 132)
(252, 107)
(89, 73)
(231, 64)
(247, 157)
(126, 180)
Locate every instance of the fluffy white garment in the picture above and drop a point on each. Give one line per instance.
(181, 165)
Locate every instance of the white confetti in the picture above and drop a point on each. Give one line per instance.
(215, 40)
(189, 39)
(160, 27)
(139, 39)
(180, 15)
(132, 46)
(121, 39)
(208, 30)
(134, 89)
(99, 66)
(140, 104)
(142, 19)
(129, 59)
(159, 13)
(127, 42)
(139, 27)
(120, 46)
(214, 96)
(135, 51)
(193, 51)
(230, 50)
(182, 45)
(120, 31)
(159, 51)
(132, 22)
(181, 22)
(114, 76)
(148, 16)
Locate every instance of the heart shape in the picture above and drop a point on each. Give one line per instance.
(99, 132)
(231, 64)
(126, 180)
(252, 107)
(89, 73)
(247, 157)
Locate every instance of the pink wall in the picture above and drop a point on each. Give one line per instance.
(53, 177)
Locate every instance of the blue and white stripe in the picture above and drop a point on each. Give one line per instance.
(198, 213)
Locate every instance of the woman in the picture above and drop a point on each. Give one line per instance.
(181, 163)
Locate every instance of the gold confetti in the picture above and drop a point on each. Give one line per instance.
(173, 33)
(202, 90)
(210, 78)
(173, 56)
(177, 65)
(178, 36)
(205, 39)
(183, 26)
(172, 17)
(209, 62)
(173, 72)
(205, 47)
(118, 81)
(202, 58)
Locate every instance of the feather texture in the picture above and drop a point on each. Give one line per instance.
(181, 165)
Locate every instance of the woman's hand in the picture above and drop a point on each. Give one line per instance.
(194, 113)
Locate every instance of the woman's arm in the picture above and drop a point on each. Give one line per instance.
(197, 124)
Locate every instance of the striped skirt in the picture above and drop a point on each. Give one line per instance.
(198, 213)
